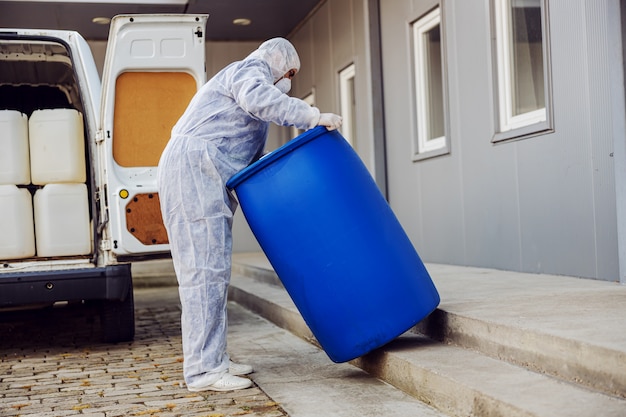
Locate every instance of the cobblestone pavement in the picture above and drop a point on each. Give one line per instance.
(53, 364)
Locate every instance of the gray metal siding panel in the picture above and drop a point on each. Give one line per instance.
(543, 204)
(342, 31)
(324, 77)
(555, 206)
(403, 185)
(567, 192)
(617, 63)
(443, 235)
(488, 172)
(603, 169)
(304, 80)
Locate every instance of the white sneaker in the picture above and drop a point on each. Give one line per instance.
(239, 368)
(227, 382)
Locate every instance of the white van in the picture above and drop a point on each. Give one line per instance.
(78, 197)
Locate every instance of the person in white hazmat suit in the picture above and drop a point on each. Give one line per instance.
(222, 131)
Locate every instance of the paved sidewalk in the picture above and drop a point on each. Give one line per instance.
(52, 364)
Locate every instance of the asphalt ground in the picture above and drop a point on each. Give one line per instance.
(52, 364)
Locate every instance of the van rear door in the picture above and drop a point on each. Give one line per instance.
(154, 65)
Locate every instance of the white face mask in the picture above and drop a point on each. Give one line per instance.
(284, 85)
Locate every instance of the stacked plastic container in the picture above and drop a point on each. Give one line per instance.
(47, 151)
(57, 162)
(17, 238)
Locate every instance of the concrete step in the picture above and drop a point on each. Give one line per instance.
(466, 375)
(571, 328)
(304, 382)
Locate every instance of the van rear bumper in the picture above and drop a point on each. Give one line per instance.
(104, 283)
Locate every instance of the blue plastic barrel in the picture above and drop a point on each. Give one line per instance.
(335, 244)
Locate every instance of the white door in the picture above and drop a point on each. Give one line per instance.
(154, 64)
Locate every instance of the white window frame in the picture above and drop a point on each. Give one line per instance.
(423, 146)
(510, 126)
(346, 97)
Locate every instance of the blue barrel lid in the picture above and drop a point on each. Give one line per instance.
(288, 147)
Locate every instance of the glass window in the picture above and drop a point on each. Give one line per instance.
(521, 65)
(429, 86)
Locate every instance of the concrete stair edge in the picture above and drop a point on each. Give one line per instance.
(461, 382)
(270, 302)
(594, 367)
(258, 273)
(583, 363)
(452, 394)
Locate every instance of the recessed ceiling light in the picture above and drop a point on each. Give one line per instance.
(242, 21)
(101, 20)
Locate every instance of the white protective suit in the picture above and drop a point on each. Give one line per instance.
(223, 130)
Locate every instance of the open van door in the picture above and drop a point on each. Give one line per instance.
(154, 65)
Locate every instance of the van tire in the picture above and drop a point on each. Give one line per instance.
(117, 319)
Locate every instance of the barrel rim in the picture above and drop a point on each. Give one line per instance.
(288, 147)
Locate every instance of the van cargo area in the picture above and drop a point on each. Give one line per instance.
(43, 151)
(78, 159)
(48, 196)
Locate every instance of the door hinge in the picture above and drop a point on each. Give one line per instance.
(105, 245)
(99, 136)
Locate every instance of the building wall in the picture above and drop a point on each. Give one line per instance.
(330, 40)
(544, 204)
(336, 36)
